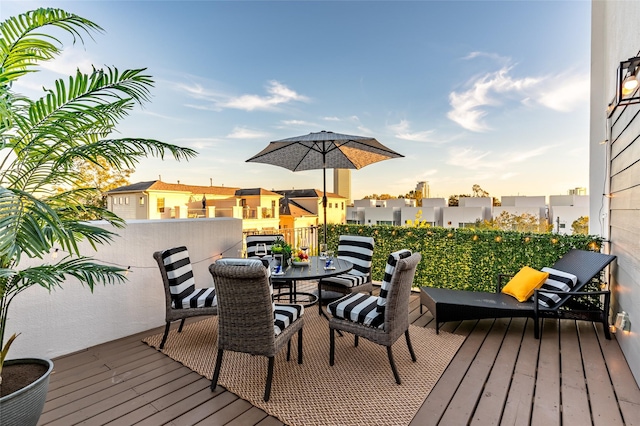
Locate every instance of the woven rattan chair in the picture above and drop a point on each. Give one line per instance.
(268, 239)
(359, 251)
(182, 299)
(381, 319)
(248, 320)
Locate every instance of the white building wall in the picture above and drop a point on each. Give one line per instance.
(72, 318)
(523, 201)
(614, 38)
(375, 215)
(456, 217)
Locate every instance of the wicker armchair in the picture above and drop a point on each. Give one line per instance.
(381, 319)
(253, 240)
(248, 320)
(182, 299)
(359, 251)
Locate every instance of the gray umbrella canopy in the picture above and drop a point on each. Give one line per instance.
(324, 150)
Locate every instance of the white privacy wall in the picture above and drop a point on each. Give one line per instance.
(73, 318)
(614, 166)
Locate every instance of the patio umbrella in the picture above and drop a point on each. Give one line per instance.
(322, 150)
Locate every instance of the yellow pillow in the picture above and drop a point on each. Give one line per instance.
(522, 285)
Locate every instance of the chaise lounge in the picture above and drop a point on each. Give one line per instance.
(458, 305)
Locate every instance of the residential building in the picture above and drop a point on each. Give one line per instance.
(311, 201)
(565, 209)
(342, 183)
(258, 208)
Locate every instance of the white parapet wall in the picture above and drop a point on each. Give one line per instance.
(71, 318)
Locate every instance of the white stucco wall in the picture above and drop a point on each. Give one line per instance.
(72, 318)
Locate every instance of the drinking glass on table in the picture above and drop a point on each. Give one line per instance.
(261, 249)
(323, 250)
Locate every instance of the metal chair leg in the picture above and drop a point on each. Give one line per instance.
(216, 372)
(393, 365)
(332, 345)
(300, 346)
(267, 388)
(181, 325)
(413, 354)
(166, 334)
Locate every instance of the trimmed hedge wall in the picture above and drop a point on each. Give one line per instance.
(464, 258)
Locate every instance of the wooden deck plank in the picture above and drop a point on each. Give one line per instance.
(494, 395)
(104, 394)
(463, 404)
(517, 409)
(250, 417)
(575, 403)
(546, 401)
(438, 399)
(215, 401)
(602, 396)
(98, 386)
(625, 386)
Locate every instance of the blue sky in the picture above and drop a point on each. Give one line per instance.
(471, 92)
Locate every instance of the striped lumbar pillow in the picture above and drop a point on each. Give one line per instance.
(557, 280)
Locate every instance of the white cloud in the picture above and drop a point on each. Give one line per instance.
(278, 94)
(331, 119)
(565, 92)
(402, 130)
(244, 133)
(197, 143)
(68, 62)
(474, 159)
(489, 90)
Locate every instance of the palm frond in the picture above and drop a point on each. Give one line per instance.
(22, 48)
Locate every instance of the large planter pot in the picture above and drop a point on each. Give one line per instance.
(24, 406)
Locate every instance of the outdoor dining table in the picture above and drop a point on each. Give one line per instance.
(315, 270)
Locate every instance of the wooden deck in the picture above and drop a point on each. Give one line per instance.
(500, 375)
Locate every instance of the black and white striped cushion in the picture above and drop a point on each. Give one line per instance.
(389, 270)
(181, 282)
(253, 240)
(285, 315)
(346, 280)
(557, 280)
(359, 251)
(358, 307)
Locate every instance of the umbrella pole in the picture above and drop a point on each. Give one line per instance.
(324, 196)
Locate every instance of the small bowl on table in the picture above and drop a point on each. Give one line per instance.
(304, 263)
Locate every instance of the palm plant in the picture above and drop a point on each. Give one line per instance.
(41, 142)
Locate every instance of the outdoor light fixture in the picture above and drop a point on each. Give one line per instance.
(627, 82)
(622, 322)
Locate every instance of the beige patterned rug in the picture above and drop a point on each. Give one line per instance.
(358, 390)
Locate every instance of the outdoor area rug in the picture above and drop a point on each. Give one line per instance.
(359, 389)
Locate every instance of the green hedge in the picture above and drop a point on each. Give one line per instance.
(464, 258)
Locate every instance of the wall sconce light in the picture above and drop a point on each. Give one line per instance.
(622, 323)
(627, 83)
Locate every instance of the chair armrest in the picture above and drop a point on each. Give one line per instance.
(605, 293)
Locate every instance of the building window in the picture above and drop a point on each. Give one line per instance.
(161, 205)
(330, 205)
(119, 200)
(342, 205)
(141, 201)
(126, 201)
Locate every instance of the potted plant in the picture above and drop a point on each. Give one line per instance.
(44, 144)
(281, 249)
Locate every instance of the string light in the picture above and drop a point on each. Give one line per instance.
(54, 255)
